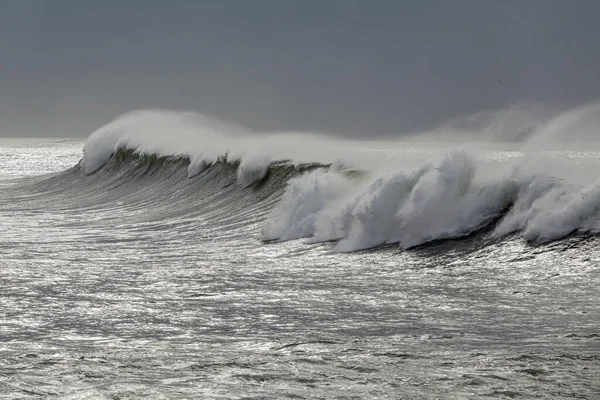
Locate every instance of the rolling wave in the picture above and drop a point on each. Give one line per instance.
(438, 201)
(354, 209)
(157, 166)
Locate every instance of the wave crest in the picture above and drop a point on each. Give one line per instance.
(438, 201)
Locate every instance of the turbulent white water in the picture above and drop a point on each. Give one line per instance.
(439, 201)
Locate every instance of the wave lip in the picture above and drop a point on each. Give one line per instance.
(163, 133)
(204, 141)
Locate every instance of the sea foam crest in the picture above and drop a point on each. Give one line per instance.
(303, 202)
(205, 140)
(163, 133)
(438, 201)
(547, 208)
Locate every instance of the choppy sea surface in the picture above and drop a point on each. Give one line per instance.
(140, 281)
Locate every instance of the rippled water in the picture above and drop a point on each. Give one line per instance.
(110, 292)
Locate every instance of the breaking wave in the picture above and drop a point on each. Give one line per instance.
(437, 201)
(324, 190)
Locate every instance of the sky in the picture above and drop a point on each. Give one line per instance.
(350, 67)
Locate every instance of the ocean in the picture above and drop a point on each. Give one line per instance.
(139, 267)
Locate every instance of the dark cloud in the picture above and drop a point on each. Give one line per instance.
(355, 67)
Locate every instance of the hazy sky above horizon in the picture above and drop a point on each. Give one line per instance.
(353, 67)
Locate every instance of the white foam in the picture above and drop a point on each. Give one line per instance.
(204, 140)
(253, 168)
(164, 133)
(438, 201)
(433, 202)
(548, 208)
(447, 202)
(302, 203)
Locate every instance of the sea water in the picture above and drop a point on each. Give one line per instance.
(127, 271)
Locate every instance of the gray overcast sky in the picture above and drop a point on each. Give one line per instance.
(354, 67)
